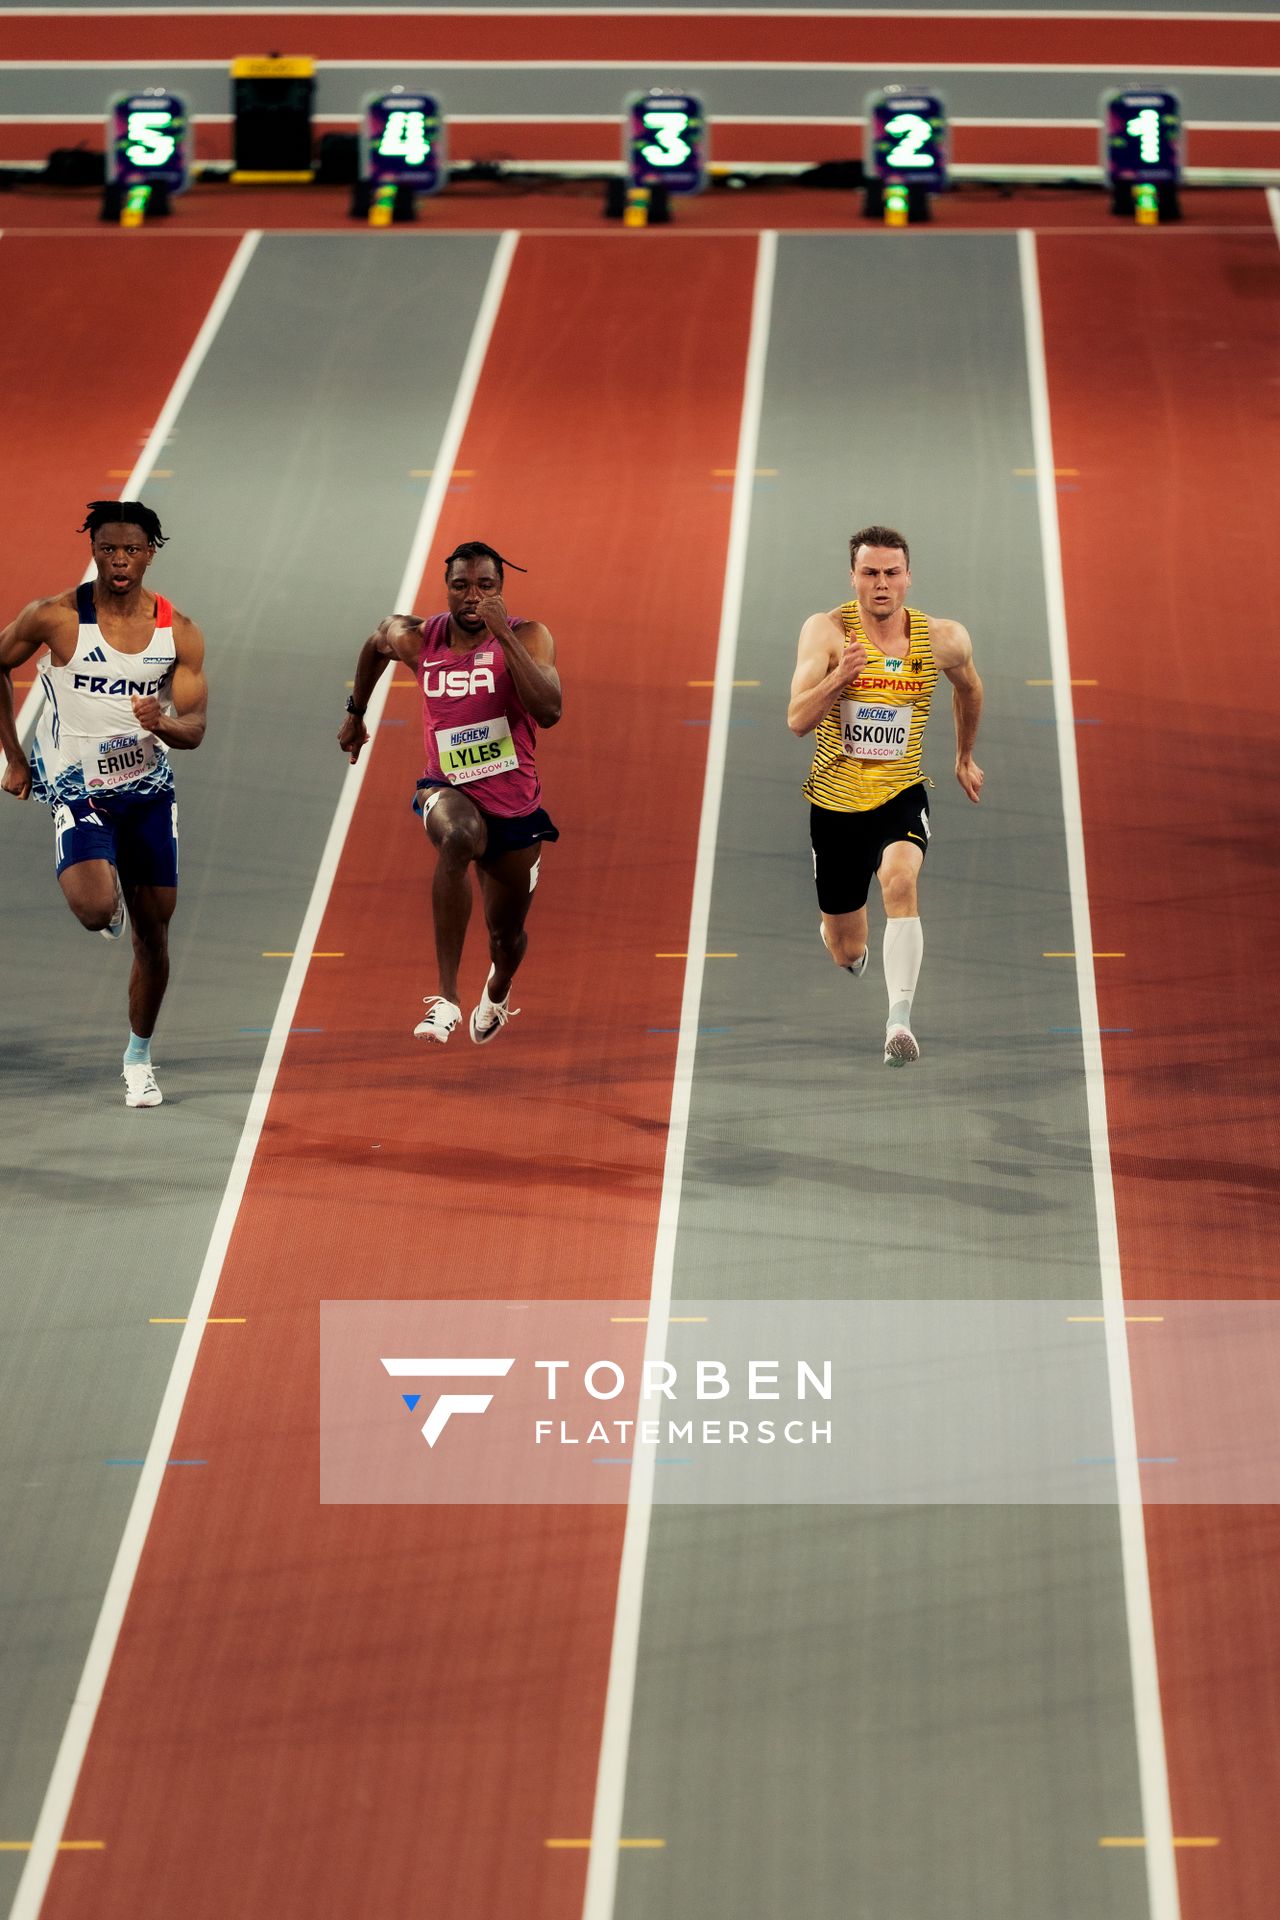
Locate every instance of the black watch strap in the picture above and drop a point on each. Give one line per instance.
(353, 708)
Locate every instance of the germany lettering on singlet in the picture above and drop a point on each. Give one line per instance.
(867, 745)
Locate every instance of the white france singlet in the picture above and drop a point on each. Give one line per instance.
(88, 741)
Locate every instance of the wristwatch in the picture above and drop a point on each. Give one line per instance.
(353, 708)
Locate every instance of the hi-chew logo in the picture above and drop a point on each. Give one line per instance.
(447, 1404)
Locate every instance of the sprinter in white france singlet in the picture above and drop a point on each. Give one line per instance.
(123, 685)
(488, 682)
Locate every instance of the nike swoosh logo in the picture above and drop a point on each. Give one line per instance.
(915, 836)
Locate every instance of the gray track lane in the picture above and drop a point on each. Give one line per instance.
(802, 93)
(889, 1713)
(292, 511)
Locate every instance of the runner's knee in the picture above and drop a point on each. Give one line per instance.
(460, 840)
(845, 949)
(899, 890)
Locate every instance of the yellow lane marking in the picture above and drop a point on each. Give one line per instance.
(1097, 956)
(694, 683)
(156, 473)
(1049, 683)
(282, 955)
(64, 1846)
(1137, 1319)
(684, 956)
(176, 1321)
(586, 1843)
(729, 473)
(1179, 1840)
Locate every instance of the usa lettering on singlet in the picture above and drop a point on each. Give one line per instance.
(867, 745)
(476, 730)
(88, 741)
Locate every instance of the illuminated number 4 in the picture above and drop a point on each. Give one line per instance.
(913, 134)
(669, 148)
(1145, 128)
(405, 138)
(148, 141)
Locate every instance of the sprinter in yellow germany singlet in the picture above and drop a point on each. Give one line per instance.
(865, 675)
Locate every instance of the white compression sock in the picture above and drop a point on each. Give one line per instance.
(903, 952)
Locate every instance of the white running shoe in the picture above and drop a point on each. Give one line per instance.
(901, 1048)
(140, 1089)
(114, 928)
(439, 1020)
(859, 967)
(491, 1016)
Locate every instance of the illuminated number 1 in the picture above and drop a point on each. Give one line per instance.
(405, 138)
(913, 133)
(1146, 127)
(671, 148)
(148, 140)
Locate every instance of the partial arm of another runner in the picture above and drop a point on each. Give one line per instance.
(531, 660)
(953, 651)
(189, 693)
(20, 640)
(398, 637)
(826, 662)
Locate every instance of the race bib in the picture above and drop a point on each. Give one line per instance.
(117, 761)
(476, 751)
(872, 732)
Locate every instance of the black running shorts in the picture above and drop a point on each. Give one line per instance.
(848, 847)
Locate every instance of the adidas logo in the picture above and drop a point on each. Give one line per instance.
(96, 653)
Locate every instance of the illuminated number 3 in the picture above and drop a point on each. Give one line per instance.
(148, 142)
(669, 148)
(405, 138)
(1145, 126)
(913, 134)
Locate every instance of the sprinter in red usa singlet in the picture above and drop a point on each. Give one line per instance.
(488, 682)
(124, 687)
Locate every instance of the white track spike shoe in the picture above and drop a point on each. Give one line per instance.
(901, 1048)
(140, 1089)
(491, 1016)
(439, 1020)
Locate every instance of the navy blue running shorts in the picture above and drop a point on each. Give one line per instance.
(137, 833)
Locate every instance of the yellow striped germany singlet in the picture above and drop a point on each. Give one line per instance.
(870, 714)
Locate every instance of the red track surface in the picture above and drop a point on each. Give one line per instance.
(89, 348)
(1163, 375)
(890, 39)
(330, 1711)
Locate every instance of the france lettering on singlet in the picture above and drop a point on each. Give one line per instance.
(88, 741)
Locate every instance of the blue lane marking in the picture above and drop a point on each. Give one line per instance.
(1144, 1460)
(168, 1463)
(290, 1029)
(626, 1461)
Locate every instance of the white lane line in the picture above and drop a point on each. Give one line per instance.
(1157, 1818)
(1273, 202)
(615, 1739)
(75, 1739)
(29, 711)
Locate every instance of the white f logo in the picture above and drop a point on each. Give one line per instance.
(431, 1369)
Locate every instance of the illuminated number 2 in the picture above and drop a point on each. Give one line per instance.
(149, 143)
(1145, 126)
(405, 138)
(912, 133)
(669, 147)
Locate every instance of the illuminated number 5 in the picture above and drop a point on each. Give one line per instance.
(405, 138)
(148, 140)
(912, 133)
(1145, 126)
(669, 148)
